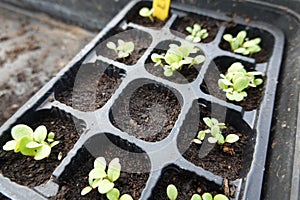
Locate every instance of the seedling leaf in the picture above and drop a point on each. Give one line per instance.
(172, 192)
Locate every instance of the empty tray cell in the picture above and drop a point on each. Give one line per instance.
(187, 73)
(135, 167)
(24, 169)
(140, 39)
(231, 161)
(146, 110)
(186, 182)
(179, 26)
(266, 44)
(134, 17)
(219, 66)
(88, 87)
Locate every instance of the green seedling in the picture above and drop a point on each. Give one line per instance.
(177, 56)
(243, 45)
(196, 33)
(103, 179)
(31, 143)
(215, 131)
(146, 12)
(123, 50)
(172, 194)
(236, 80)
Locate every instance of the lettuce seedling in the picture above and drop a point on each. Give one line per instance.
(215, 130)
(241, 44)
(177, 56)
(146, 12)
(196, 33)
(172, 194)
(31, 143)
(123, 50)
(236, 80)
(103, 179)
(208, 196)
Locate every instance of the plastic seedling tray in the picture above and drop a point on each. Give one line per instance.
(99, 105)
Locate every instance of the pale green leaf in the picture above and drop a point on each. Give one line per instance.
(126, 197)
(220, 197)
(100, 162)
(111, 45)
(42, 152)
(33, 145)
(40, 133)
(172, 192)
(145, 12)
(207, 121)
(97, 173)
(231, 138)
(51, 135)
(10, 145)
(227, 37)
(86, 190)
(207, 196)
(196, 197)
(54, 143)
(105, 186)
(241, 83)
(114, 170)
(113, 194)
(212, 140)
(21, 130)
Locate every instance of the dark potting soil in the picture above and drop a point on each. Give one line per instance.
(210, 85)
(224, 160)
(143, 21)
(153, 111)
(2, 197)
(75, 180)
(92, 90)
(29, 172)
(212, 26)
(187, 184)
(140, 39)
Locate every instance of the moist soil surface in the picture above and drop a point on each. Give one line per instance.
(74, 180)
(145, 21)
(140, 39)
(187, 184)
(224, 160)
(210, 86)
(212, 26)
(29, 172)
(93, 88)
(153, 111)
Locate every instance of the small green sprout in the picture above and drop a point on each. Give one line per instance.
(215, 131)
(123, 50)
(176, 57)
(243, 45)
(146, 12)
(103, 179)
(236, 80)
(31, 143)
(196, 33)
(172, 194)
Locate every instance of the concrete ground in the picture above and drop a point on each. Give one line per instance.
(33, 48)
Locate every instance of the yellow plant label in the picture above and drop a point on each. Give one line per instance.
(161, 9)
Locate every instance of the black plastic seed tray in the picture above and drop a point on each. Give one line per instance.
(98, 95)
